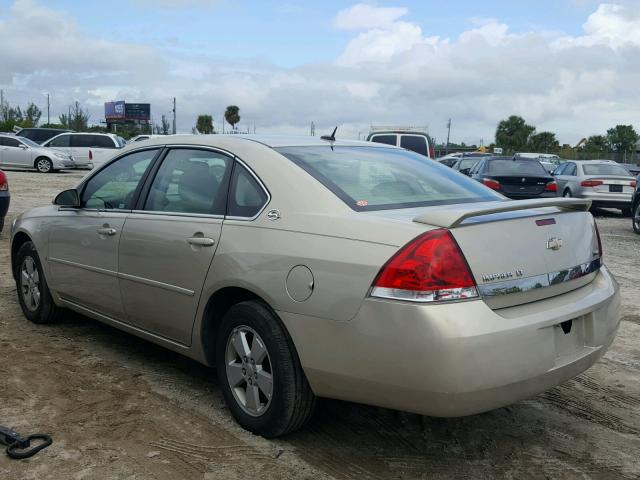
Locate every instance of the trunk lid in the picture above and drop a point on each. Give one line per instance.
(522, 185)
(523, 251)
(612, 184)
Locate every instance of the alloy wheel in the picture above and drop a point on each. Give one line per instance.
(43, 165)
(249, 370)
(30, 284)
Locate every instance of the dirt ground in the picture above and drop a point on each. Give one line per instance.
(119, 407)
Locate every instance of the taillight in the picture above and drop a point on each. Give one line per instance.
(493, 184)
(551, 187)
(632, 183)
(429, 268)
(90, 155)
(598, 237)
(4, 183)
(591, 183)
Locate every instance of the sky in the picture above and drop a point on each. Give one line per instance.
(568, 66)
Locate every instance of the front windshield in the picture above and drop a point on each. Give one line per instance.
(371, 178)
(28, 142)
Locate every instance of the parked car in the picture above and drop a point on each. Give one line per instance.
(465, 164)
(451, 159)
(301, 267)
(603, 182)
(139, 138)
(634, 170)
(635, 207)
(541, 157)
(20, 152)
(411, 139)
(514, 177)
(5, 198)
(89, 150)
(41, 135)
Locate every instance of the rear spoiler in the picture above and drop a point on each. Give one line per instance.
(450, 216)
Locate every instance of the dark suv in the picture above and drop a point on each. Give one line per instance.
(41, 135)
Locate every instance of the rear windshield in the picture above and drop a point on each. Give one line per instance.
(370, 178)
(604, 169)
(516, 167)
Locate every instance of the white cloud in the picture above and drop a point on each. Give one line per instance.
(364, 16)
(391, 71)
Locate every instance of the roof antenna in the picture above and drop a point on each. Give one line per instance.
(332, 137)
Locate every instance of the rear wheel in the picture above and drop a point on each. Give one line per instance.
(567, 193)
(259, 371)
(44, 165)
(636, 218)
(33, 291)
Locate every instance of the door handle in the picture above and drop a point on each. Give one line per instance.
(107, 231)
(201, 241)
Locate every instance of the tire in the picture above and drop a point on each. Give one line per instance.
(567, 193)
(38, 309)
(291, 402)
(635, 220)
(626, 211)
(44, 165)
(1, 224)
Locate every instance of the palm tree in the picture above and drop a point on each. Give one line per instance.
(232, 115)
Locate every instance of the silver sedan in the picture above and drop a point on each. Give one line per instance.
(20, 152)
(604, 182)
(302, 267)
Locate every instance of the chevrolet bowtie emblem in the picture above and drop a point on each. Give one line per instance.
(554, 243)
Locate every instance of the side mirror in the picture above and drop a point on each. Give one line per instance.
(68, 198)
(23, 146)
(465, 171)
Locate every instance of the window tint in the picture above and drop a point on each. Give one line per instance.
(82, 141)
(560, 169)
(60, 142)
(247, 196)
(604, 169)
(114, 187)
(370, 178)
(190, 181)
(10, 142)
(516, 167)
(414, 143)
(102, 141)
(386, 139)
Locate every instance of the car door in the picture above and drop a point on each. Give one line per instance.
(61, 142)
(15, 153)
(80, 146)
(569, 179)
(168, 243)
(83, 242)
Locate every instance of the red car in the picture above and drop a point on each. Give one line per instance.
(4, 197)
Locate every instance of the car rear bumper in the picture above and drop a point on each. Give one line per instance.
(457, 359)
(613, 200)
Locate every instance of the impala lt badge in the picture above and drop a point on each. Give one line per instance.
(554, 243)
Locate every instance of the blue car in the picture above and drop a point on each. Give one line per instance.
(635, 207)
(4, 197)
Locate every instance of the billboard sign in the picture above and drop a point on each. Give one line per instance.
(137, 111)
(114, 110)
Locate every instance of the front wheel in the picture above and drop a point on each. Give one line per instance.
(44, 165)
(636, 218)
(259, 371)
(33, 292)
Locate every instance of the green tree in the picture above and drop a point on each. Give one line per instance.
(232, 115)
(513, 133)
(204, 124)
(32, 116)
(77, 119)
(543, 142)
(596, 144)
(623, 139)
(164, 128)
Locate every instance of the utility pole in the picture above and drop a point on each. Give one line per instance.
(446, 148)
(48, 105)
(313, 129)
(222, 123)
(2, 103)
(174, 115)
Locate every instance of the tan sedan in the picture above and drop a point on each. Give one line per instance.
(305, 267)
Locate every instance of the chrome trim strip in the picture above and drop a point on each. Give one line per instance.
(89, 268)
(154, 283)
(523, 285)
(177, 214)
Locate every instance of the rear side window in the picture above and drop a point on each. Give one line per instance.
(60, 142)
(102, 141)
(190, 181)
(415, 143)
(82, 141)
(246, 197)
(516, 167)
(386, 139)
(370, 178)
(604, 169)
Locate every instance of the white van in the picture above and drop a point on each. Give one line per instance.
(89, 150)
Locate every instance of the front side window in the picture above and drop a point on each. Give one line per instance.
(103, 141)
(373, 178)
(115, 186)
(60, 142)
(10, 142)
(82, 141)
(571, 170)
(415, 143)
(247, 196)
(190, 181)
